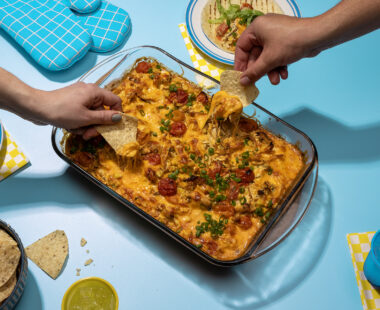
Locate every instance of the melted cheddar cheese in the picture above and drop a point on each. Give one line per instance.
(215, 184)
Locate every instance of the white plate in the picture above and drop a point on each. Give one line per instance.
(199, 38)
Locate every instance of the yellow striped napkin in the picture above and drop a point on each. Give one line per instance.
(11, 157)
(360, 244)
(202, 62)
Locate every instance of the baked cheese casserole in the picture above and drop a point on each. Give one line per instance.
(211, 178)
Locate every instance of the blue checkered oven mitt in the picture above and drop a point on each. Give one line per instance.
(47, 30)
(109, 25)
(84, 6)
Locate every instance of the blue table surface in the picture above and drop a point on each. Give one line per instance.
(334, 98)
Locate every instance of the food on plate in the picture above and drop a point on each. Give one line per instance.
(50, 252)
(78, 272)
(223, 21)
(121, 136)
(215, 185)
(9, 260)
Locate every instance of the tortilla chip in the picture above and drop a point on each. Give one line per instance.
(121, 136)
(50, 252)
(8, 287)
(230, 83)
(4, 237)
(9, 259)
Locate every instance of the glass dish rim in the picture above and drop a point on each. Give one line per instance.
(255, 243)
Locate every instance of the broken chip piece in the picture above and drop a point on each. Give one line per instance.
(83, 242)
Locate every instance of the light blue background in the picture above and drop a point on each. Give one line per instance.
(334, 98)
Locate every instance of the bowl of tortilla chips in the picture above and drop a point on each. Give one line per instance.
(13, 267)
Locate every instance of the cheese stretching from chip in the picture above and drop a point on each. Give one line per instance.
(214, 184)
(223, 106)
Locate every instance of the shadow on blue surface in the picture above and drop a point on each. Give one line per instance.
(31, 298)
(252, 285)
(72, 73)
(335, 141)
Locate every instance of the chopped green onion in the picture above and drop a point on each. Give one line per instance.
(173, 88)
(220, 198)
(174, 175)
(259, 211)
(211, 151)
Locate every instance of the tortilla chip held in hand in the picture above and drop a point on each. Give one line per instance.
(122, 135)
(230, 83)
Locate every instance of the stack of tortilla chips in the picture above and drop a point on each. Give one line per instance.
(9, 260)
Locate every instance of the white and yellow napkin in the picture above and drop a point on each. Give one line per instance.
(11, 157)
(202, 62)
(360, 244)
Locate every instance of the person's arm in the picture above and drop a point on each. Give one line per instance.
(272, 41)
(75, 107)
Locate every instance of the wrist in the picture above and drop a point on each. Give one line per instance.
(314, 38)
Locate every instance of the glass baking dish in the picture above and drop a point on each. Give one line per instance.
(294, 205)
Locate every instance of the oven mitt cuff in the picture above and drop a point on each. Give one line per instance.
(109, 26)
(84, 6)
(47, 30)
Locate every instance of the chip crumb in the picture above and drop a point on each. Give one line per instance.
(83, 242)
(78, 272)
(87, 251)
(88, 262)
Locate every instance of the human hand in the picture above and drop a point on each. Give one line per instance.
(270, 43)
(77, 107)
